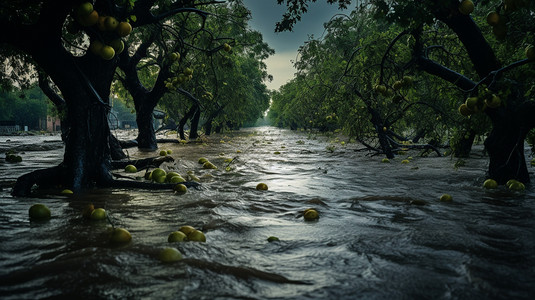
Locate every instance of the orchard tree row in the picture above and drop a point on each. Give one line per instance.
(417, 74)
(28, 108)
(180, 54)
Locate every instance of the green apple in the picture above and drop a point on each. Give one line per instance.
(187, 229)
(117, 45)
(160, 179)
(130, 169)
(490, 184)
(39, 211)
(466, 7)
(180, 188)
(311, 214)
(163, 153)
(177, 236)
(67, 192)
(98, 214)
(511, 181)
(157, 173)
(107, 52)
(262, 187)
(110, 23)
(177, 179)
(471, 103)
(272, 239)
(167, 255)
(171, 175)
(196, 236)
(123, 29)
(446, 198)
(120, 236)
(84, 9)
(517, 186)
(208, 165)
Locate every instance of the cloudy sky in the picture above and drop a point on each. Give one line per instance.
(266, 13)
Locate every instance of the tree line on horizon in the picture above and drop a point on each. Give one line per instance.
(397, 75)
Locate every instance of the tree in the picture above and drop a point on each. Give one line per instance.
(491, 76)
(228, 88)
(82, 66)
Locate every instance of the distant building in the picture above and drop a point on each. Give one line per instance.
(8, 126)
(53, 124)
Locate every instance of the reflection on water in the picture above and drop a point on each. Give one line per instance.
(382, 232)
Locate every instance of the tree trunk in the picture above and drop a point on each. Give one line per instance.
(184, 119)
(193, 132)
(505, 143)
(146, 137)
(463, 146)
(208, 127)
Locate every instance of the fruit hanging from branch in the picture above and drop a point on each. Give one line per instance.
(107, 52)
(89, 20)
(95, 46)
(493, 18)
(83, 9)
(117, 45)
(124, 29)
(466, 7)
(110, 23)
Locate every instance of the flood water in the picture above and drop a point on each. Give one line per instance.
(382, 231)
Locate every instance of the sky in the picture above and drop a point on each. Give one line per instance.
(265, 13)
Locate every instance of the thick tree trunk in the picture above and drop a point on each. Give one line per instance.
(145, 99)
(505, 143)
(146, 137)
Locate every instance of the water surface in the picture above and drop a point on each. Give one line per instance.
(382, 232)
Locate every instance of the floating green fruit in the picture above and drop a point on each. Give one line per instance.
(311, 214)
(170, 255)
(446, 198)
(39, 211)
(177, 236)
(130, 169)
(490, 184)
(262, 187)
(98, 214)
(272, 239)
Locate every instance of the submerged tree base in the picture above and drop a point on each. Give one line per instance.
(55, 178)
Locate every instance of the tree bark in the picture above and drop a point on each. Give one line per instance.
(145, 100)
(184, 119)
(146, 137)
(193, 132)
(505, 143)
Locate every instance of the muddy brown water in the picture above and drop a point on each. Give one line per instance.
(382, 232)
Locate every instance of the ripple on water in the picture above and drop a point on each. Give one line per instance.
(382, 232)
